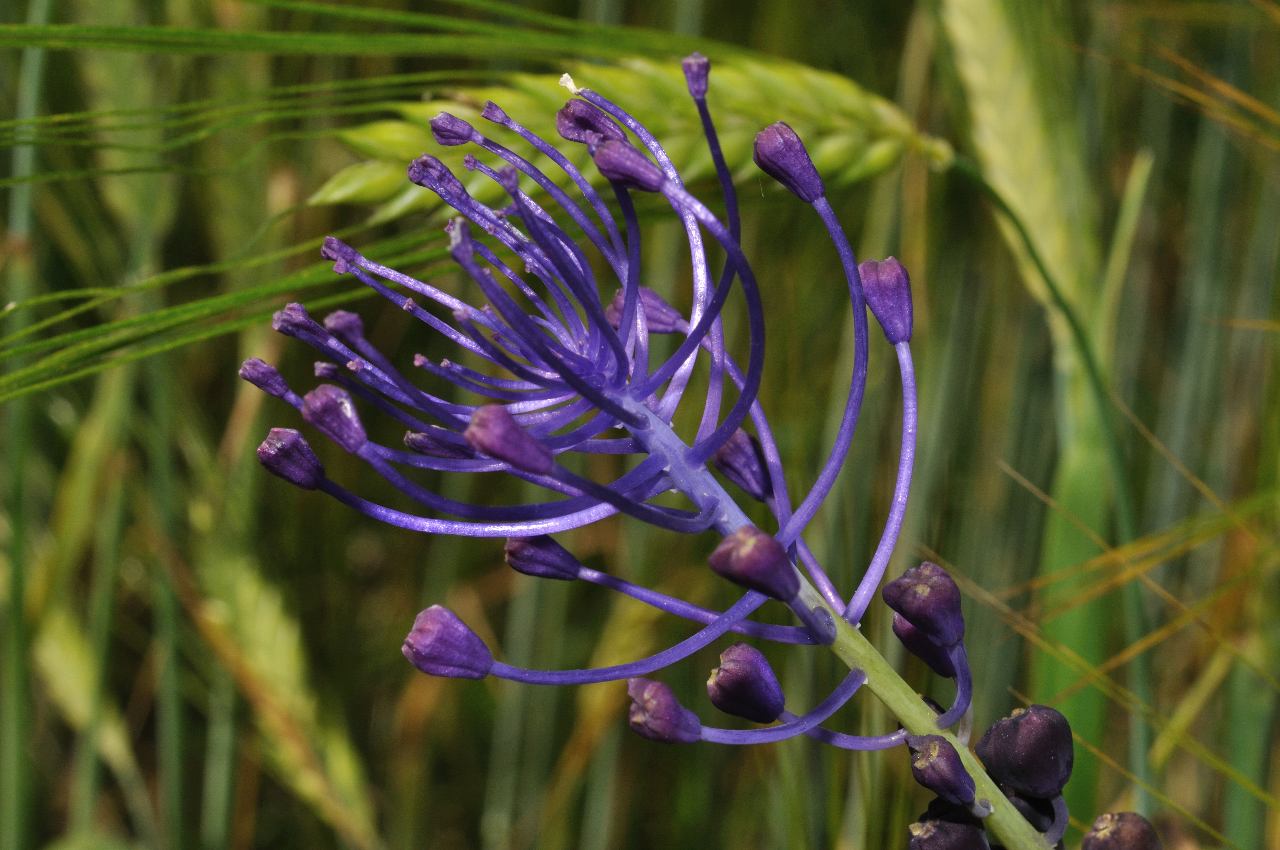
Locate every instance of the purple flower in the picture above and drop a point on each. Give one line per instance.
(556, 376)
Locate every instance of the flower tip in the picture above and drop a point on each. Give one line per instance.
(293, 320)
(264, 376)
(781, 154)
(928, 598)
(887, 288)
(440, 644)
(541, 557)
(567, 82)
(494, 431)
(741, 460)
(755, 560)
(1121, 831)
(495, 113)
(620, 162)
(342, 254)
(656, 714)
(696, 70)
(287, 454)
(330, 409)
(578, 121)
(946, 835)
(936, 765)
(744, 685)
(345, 325)
(430, 173)
(450, 130)
(1030, 751)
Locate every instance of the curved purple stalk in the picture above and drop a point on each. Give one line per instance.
(1061, 820)
(749, 602)
(857, 385)
(901, 491)
(964, 687)
(796, 725)
(864, 743)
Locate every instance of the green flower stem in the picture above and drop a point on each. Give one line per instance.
(916, 717)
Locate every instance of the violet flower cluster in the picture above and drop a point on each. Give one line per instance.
(568, 373)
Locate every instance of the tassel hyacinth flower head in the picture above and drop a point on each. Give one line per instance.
(571, 372)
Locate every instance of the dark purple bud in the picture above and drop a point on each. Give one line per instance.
(1035, 811)
(450, 130)
(696, 70)
(541, 557)
(1121, 831)
(433, 444)
(342, 254)
(1030, 751)
(741, 460)
(345, 325)
(658, 715)
(887, 287)
(442, 645)
(940, 809)
(929, 599)
(264, 376)
(578, 119)
(431, 173)
(330, 409)
(623, 164)
(936, 765)
(744, 685)
(919, 645)
(753, 559)
(493, 112)
(294, 320)
(945, 835)
(286, 453)
(494, 431)
(780, 154)
(659, 316)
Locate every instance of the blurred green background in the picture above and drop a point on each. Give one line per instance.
(197, 655)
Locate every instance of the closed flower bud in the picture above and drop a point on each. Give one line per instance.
(494, 431)
(919, 645)
(780, 154)
(450, 130)
(431, 173)
(493, 112)
(936, 765)
(744, 685)
(264, 376)
(657, 715)
(696, 70)
(741, 460)
(753, 559)
(330, 409)
(945, 835)
(1121, 831)
(577, 120)
(541, 557)
(623, 164)
(342, 254)
(345, 325)
(287, 454)
(659, 316)
(887, 288)
(294, 320)
(929, 599)
(1030, 751)
(443, 645)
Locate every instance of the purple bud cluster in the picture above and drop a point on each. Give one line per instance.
(566, 375)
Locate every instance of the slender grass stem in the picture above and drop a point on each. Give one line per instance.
(15, 760)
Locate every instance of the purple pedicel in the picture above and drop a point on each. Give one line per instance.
(572, 377)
